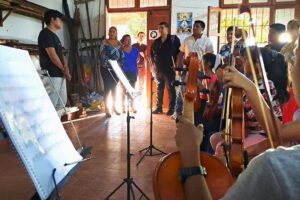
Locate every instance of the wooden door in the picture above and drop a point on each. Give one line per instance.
(153, 20)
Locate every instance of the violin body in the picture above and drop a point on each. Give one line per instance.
(212, 109)
(167, 185)
(237, 129)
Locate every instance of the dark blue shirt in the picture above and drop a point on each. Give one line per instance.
(130, 60)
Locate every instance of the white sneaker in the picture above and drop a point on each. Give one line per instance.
(174, 116)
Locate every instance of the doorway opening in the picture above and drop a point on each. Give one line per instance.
(130, 23)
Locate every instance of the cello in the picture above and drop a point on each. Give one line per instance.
(166, 184)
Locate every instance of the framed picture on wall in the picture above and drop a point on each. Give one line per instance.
(184, 22)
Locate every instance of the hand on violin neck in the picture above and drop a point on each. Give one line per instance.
(233, 78)
(188, 140)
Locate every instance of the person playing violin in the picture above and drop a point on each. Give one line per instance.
(272, 175)
(212, 112)
(255, 141)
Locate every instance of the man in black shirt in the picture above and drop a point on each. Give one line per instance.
(51, 59)
(164, 51)
(141, 61)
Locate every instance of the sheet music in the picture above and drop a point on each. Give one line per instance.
(32, 122)
(117, 69)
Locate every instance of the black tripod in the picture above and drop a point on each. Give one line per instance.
(128, 180)
(149, 150)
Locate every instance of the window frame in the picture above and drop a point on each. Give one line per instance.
(137, 7)
(271, 3)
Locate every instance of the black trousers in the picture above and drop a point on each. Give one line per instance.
(165, 79)
(132, 78)
(110, 81)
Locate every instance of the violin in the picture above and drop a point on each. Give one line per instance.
(236, 156)
(212, 107)
(234, 133)
(166, 184)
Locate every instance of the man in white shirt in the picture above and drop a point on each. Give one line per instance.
(196, 43)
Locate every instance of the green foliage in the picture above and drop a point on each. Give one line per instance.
(136, 25)
(262, 29)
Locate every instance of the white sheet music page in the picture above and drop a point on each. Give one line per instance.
(123, 79)
(32, 122)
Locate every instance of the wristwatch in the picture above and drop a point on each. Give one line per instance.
(184, 173)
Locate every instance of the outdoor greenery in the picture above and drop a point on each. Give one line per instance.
(137, 25)
(261, 26)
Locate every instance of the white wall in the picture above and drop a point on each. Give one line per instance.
(26, 29)
(94, 10)
(199, 9)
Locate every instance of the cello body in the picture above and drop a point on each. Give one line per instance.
(166, 182)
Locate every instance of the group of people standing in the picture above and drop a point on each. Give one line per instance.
(131, 58)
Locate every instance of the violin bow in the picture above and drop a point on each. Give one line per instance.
(244, 8)
(228, 91)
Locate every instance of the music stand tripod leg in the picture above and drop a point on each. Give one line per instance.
(150, 148)
(128, 180)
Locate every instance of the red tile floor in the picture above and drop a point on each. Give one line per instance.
(96, 178)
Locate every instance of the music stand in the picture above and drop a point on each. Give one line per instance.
(131, 94)
(33, 126)
(82, 150)
(149, 150)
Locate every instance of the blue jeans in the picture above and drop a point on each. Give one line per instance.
(179, 94)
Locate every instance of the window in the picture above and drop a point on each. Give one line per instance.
(265, 12)
(258, 1)
(284, 15)
(121, 3)
(261, 23)
(285, 0)
(232, 1)
(135, 4)
(151, 3)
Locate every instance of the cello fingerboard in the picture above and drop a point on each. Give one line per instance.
(188, 110)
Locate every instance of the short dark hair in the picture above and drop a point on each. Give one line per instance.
(210, 57)
(229, 29)
(113, 27)
(276, 68)
(202, 24)
(123, 38)
(52, 14)
(165, 24)
(141, 32)
(280, 28)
